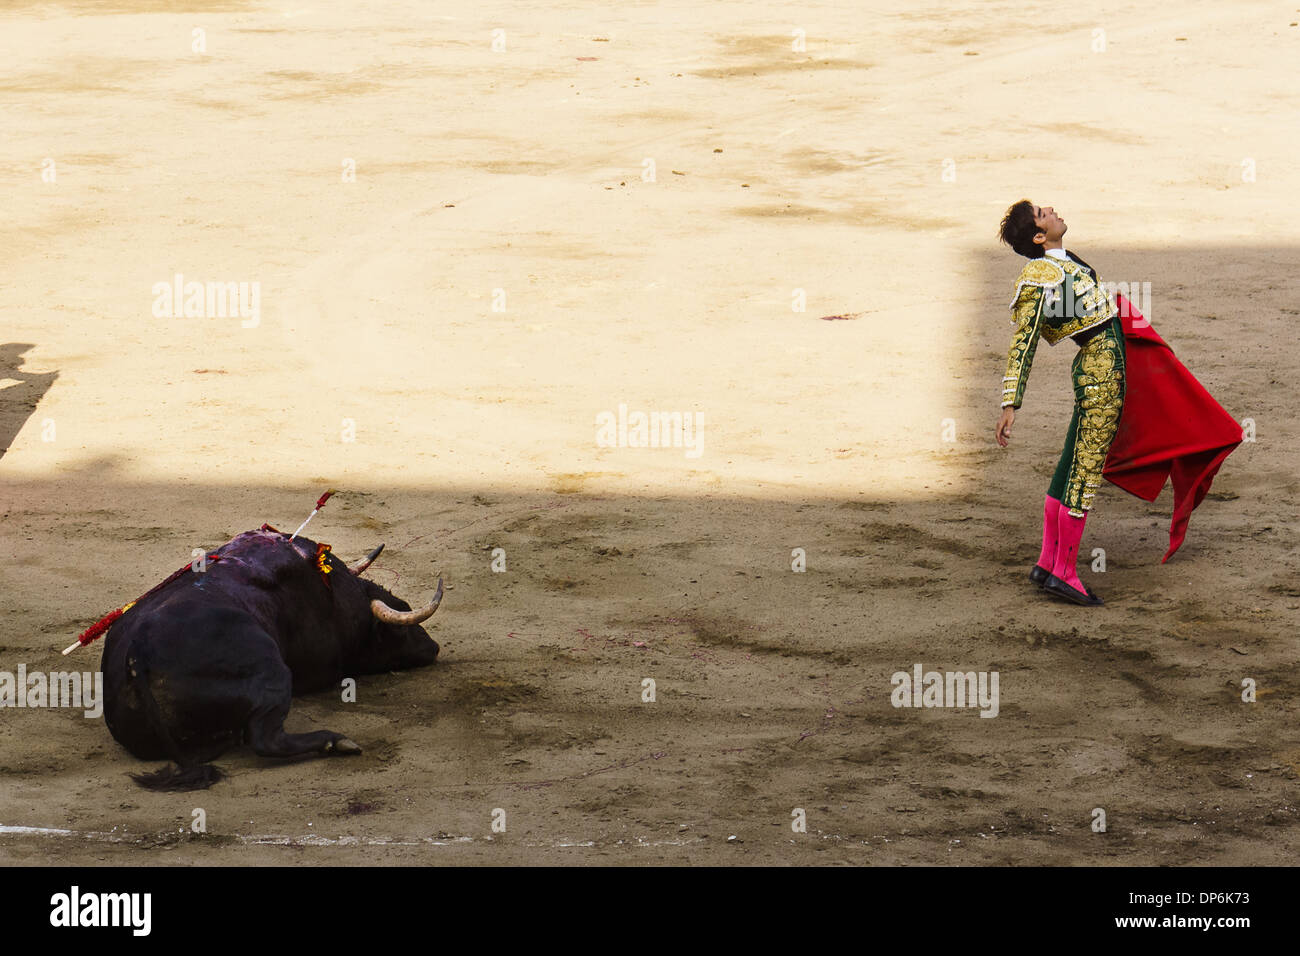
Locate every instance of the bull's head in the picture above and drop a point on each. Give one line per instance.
(398, 640)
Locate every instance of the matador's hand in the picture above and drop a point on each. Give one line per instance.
(1003, 432)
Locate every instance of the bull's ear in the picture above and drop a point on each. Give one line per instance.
(374, 590)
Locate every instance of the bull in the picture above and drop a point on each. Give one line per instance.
(210, 660)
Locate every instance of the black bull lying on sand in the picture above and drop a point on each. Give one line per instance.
(212, 659)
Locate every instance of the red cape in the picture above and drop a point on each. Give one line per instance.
(1171, 427)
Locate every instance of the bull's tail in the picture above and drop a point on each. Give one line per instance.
(197, 776)
(182, 775)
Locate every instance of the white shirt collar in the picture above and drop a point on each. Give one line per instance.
(1057, 253)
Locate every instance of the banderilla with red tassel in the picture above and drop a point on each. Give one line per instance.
(320, 503)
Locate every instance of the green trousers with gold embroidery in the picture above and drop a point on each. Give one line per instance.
(1098, 376)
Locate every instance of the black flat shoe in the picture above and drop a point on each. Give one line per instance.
(1038, 575)
(1058, 587)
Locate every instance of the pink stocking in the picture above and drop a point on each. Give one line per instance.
(1047, 557)
(1070, 530)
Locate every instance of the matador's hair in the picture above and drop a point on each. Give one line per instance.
(1018, 230)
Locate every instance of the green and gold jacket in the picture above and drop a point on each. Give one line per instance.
(1054, 298)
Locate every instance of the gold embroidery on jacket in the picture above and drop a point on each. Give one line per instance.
(1020, 357)
(1054, 299)
(1082, 304)
(1042, 273)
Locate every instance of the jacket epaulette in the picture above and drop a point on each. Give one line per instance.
(1043, 273)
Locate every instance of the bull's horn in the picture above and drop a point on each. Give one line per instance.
(360, 566)
(390, 616)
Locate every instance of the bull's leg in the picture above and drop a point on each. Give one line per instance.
(268, 739)
(266, 726)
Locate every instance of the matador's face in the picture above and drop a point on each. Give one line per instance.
(1051, 227)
